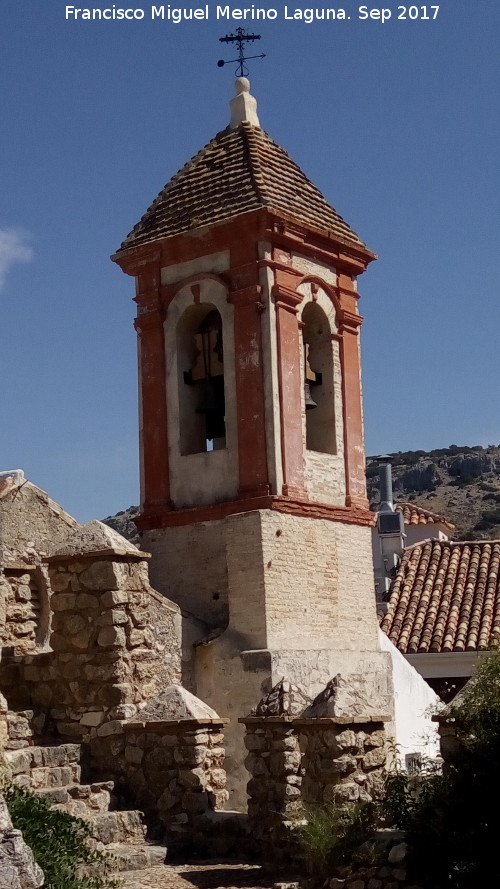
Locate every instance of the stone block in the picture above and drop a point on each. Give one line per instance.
(133, 754)
(398, 853)
(59, 581)
(82, 640)
(192, 738)
(123, 711)
(72, 624)
(113, 727)
(374, 758)
(111, 637)
(348, 792)
(114, 694)
(192, 778)
(190, 756)
(136, 638)
(112, 616)
(217, 757)
(93, 718)
(345, 740)
(375, 739)
(114, 597)
(63, 602)
(101, 576)
(217, 799)
(86, 601)
(218, 779)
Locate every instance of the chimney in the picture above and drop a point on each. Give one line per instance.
(390, 528)
(385, 476)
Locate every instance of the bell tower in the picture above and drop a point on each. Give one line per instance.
(253, 497)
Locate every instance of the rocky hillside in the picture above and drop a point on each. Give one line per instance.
(460, 483)
(123, 523)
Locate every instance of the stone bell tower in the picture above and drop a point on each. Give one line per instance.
(253, 499)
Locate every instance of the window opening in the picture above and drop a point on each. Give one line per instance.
(318, 380)
(201, 395)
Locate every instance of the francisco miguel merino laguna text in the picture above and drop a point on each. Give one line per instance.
(251, 13)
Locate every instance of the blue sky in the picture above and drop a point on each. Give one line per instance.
(398, 125)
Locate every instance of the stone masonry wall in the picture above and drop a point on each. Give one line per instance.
(344, 759)
(300, 759)
(175, 771)
(20, 610)
(107, 659)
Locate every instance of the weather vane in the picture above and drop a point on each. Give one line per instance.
(240, 38)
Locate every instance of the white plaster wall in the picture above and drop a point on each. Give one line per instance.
(417, 533)
(313, 267)
(204, 478)
(212, 262)
(414, 702)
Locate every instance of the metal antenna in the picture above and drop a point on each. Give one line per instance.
(240, 38)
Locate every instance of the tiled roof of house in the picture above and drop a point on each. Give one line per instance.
(241, 169)
(445, 597)
(416, 515)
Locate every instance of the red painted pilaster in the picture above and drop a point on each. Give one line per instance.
(354, 451)
(252, 454)
(156, 493)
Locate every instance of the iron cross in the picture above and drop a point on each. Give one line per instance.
(240, 38)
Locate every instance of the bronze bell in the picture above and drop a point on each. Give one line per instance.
(307, 397)
(210, 399)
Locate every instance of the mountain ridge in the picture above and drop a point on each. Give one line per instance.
(460, 483)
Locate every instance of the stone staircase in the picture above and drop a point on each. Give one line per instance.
(53, 772)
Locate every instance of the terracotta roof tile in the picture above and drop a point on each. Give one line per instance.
(241, 169)
(445, 597)
(416, 515)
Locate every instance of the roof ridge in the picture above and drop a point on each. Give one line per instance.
(248, 131)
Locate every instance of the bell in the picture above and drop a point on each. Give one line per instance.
(307, 397)
(210, 399)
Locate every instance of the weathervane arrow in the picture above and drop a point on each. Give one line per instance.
(240, 37)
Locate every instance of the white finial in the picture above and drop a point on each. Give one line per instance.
(243, 106)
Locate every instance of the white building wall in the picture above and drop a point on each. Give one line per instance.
(414, 704)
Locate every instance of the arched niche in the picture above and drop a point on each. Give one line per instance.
(200, 375)
(318, 380)
(200, 473)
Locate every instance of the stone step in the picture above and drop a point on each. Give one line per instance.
(27, 759)
(48, 776)
(122, 827)
(123, 857)
(80, 800)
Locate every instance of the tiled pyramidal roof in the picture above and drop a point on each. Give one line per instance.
(417, 515)
(445, 597)
(241, 169)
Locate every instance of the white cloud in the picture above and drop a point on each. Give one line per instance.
(14, 247)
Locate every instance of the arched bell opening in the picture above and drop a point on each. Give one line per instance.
(200, 361)
(318, 380)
